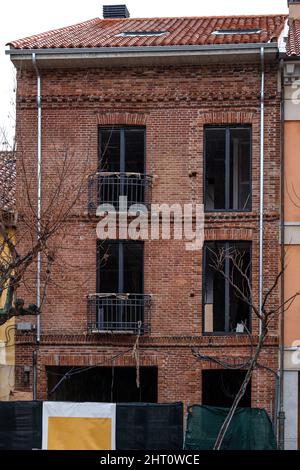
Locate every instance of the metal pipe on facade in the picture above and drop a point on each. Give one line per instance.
(262, 156)
(34, 371)
(39, 192)
(281, 413)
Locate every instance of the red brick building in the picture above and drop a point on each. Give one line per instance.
(175, 104)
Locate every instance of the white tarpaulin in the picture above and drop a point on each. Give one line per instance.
(79, 426)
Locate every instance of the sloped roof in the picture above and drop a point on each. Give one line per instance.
(293, 43)
(177, 32)
(7, 181)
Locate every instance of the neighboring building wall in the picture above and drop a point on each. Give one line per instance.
(292, 248)
(7, 352)
(7, 363)
(174, 103)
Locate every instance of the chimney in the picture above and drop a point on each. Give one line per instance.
(116, 11)
(294, 9)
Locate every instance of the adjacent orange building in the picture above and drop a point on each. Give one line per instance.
(291, 220)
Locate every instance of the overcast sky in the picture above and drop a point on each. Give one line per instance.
(27, 17)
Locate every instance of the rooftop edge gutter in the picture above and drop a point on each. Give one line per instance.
(271, 47)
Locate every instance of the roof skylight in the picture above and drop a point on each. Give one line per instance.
(236, 31)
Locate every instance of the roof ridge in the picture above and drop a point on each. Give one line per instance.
(270, 15)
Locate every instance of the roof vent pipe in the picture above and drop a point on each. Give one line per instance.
(115, 11)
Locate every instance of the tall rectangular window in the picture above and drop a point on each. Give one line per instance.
(120, 302)
(225, 311)
(228, 168)
(122, 165)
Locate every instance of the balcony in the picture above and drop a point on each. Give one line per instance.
(118, 313)
(108, 187)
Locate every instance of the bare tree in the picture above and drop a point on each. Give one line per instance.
(63, 193)
(264, 313)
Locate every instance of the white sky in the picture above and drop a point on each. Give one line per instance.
(27, 17)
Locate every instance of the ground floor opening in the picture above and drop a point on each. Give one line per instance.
(219, 387)
(102, 384)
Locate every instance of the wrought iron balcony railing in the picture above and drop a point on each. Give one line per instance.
(120, 313)
(107, 187)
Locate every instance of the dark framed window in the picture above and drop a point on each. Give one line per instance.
(120, 303)
(122, 164)
(225, 311)
(227, 168)
(122, 149)
(120, 266)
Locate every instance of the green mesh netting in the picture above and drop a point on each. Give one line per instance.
(250, 429)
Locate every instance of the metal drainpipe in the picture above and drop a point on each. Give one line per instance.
(39, 193)
(281, 413)
(261, 208)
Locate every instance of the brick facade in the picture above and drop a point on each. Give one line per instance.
(174, 104)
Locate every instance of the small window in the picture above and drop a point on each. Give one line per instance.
(224, 309)
(236, 31)
(228, 169)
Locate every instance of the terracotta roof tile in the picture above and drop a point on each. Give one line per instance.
(179, 31)
(293, 44)
(7, 181)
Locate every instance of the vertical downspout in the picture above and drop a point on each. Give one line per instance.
(39, 208)
(34, 379)
(261, 208)
(39, 191)
(281, 415)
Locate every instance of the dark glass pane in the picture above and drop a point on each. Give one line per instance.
(239, 311)
(134, 166)
(215, 168)
(134, 150)
(108, 267)
(133, 268)
(110, 150)
(214, 310)
(219, 302)
(240, 169)
(109, 185)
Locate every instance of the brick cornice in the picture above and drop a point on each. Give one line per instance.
(221, 217)
(97, 340)
(158, 99)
